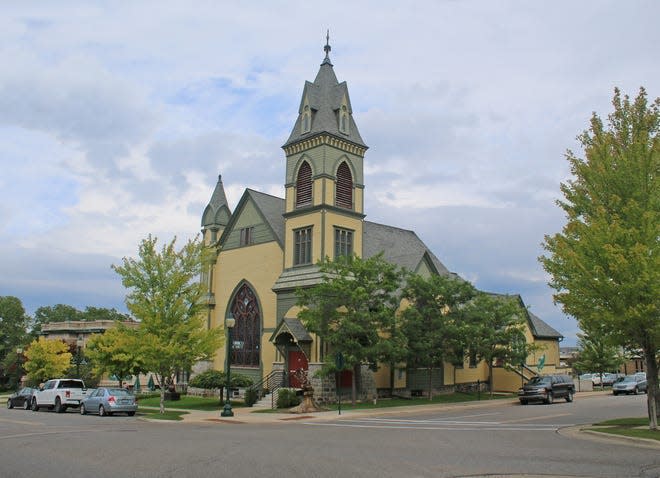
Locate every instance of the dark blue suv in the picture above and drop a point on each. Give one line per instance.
(547, 388)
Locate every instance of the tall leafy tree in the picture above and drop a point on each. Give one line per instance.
(496, 329)
(46, 359)
(605, 264)
(54, 313)
(597, 354)
(116, 352)
(165, 295)
(101, 313)
(432, 322)
(353, 310)
(13, 334)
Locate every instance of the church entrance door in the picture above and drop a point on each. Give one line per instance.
(297, 360)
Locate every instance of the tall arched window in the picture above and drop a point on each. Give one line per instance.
(246, 332)
(304, 185)
(344, 192)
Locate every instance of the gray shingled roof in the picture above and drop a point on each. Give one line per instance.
(541, 330)
(272, 209)
(399, 246)
(325, 96)
(295, 328)
(217, 211)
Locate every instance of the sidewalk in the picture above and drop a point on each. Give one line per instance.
(246, 415)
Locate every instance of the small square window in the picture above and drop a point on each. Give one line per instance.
(247, 236)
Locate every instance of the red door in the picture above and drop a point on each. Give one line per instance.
(297, 361)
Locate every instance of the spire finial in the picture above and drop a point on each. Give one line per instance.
(327, 47)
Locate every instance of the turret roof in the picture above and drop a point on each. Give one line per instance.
(325, 97)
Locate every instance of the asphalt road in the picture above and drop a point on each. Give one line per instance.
(493, 439)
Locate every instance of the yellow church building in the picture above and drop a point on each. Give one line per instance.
(268, 247)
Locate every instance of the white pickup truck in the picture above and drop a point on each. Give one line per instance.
(58, 394)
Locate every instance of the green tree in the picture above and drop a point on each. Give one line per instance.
(46, 359)
(432, 323)
(353, 311)
(116, 352)
(166, 297)
(605, 264)
(13, 335)
(54, 313)
(496, 330)
(597, 354)
(101, 313)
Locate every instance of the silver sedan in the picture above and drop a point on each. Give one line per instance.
(630, 384)
(106, 401)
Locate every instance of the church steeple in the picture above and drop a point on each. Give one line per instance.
(325, 107)
(324, 206)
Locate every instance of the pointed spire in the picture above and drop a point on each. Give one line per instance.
(217, 211)
(327, 49)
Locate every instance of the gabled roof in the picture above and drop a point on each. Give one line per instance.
(542, 330)
(399, 246)
(325, 96)
(293, 327)
(539, 329)
(270, 208)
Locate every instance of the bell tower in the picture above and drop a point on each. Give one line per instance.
(324, 202)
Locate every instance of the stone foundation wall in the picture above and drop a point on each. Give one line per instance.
(325, 388)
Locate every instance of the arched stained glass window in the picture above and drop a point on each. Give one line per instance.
(344, 192)
(246, 332)
(304, 185)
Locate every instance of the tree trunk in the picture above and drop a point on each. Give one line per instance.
(356, 370)
(490, 377)
(652, 394)
(163, 386)
(430, 383)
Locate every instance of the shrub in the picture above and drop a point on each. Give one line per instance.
(250, 397)
(287, 398)
(212, 379)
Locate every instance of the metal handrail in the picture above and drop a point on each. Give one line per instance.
(271, 382)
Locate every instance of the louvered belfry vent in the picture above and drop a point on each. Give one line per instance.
(344, 195)
(304, 185)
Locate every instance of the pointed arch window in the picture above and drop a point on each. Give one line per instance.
(304, 185)
(246, 332)
(306, 120)
(344, 192)
(343, 120)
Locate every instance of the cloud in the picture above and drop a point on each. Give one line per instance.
(115, 122)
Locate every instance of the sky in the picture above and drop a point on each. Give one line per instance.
(117, 117)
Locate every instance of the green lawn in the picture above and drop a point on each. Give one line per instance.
(630, 427)
(188, 403)
(154, 414)
(403, 402)
(457, 397)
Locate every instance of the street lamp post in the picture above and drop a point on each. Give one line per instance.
(229, 324)
(19, 370)
(79, 344)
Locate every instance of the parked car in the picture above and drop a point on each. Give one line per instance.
(547, 388)
(593, 377)
(22, 398)
(106, 401)
(609, 378)
(630, 384)
(59, 394)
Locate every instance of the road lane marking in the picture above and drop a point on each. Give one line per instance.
(537, 418)
(21, 422)
(548, 428)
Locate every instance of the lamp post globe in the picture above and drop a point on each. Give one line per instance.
(229, 324)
